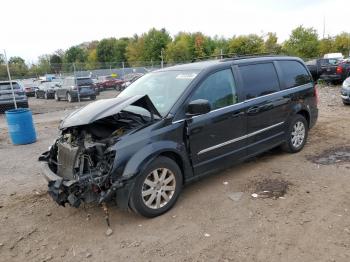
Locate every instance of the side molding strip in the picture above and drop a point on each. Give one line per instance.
(238, 139)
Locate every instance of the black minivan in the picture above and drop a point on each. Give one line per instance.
(177, 124)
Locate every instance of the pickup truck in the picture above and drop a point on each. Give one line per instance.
(320, 66)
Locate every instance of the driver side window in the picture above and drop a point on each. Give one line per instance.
(219, 89)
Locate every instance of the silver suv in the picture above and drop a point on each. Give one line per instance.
(6, 98)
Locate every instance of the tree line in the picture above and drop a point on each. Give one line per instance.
(150, 48)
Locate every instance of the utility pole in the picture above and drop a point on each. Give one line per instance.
(76, 82)
(123, 70)
(161, 56)
(221, 53)
(324, 26)
(9, 75)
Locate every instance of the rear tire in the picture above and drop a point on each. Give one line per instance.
(297, 135)
(156, 188)
(69, 98)
(57, 98)
(346, 103)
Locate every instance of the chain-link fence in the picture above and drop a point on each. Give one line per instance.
(68, 85)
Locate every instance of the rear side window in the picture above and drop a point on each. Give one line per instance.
(7, 86)
(219, 89)
(259, 80)
(294, 74)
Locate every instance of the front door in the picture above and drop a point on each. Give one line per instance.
(217, 138)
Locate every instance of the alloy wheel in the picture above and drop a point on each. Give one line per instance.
(298, 134)
(158, 188)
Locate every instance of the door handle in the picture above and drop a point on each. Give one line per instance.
(237, 114)
(253, 110)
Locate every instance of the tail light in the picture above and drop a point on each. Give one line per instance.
(339, 70)
(317, 95)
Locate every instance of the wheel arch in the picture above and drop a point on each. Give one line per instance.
(304, 111)
(146, 155)
(305, 114)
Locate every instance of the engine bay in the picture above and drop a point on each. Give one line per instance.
(83, 156)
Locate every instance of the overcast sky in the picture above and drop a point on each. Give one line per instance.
(34, 27)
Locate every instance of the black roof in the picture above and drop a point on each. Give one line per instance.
(227, 61)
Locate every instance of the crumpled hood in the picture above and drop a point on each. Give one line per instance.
(105, 108)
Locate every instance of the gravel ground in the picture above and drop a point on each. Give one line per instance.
(215, 219)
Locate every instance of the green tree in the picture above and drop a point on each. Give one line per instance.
(55, 63)
(112, 50)
(303, 42)
(271, 45)
(246, 44)
(220, 44)
(92, 61)
(18, 67)
(342, 43)
(75, 54)
(179, 50)
(327, 45)
(135, 50)
(154, 42)
(43, 65)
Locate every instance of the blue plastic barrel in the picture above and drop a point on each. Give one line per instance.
(20, 126)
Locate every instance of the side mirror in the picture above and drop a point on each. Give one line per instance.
(198, 107)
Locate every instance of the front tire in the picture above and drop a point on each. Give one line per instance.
(57, 98)
(156, 188)
(346, 103)
(93, 97)
(297, 135)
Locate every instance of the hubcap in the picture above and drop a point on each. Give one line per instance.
(158, 188)
(298, 134)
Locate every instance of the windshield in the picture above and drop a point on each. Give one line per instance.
(163, 88)
(84, 81)
(7, 86)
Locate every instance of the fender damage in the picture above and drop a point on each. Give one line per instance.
(81, 164)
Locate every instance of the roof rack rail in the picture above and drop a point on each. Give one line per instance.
(232, 56)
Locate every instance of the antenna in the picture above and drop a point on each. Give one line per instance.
(324, 25)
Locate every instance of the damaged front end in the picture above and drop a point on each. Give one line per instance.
(81, 164)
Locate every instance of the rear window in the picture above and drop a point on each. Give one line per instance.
(84, 81)
(294, 74)
(259, 80)
(7, 86)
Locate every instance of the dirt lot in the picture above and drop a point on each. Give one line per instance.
(215, 219)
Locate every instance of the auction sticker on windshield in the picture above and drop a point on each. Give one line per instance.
(186, 76)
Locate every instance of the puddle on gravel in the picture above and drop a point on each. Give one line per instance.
(332, 156)
(271, 188)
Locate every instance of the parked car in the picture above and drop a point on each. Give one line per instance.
(338, 56)
(73, 87)
(176, 125)
(47, 90)
(130, 78)
(320, 66)
(6, 97)
(105, 82)
(345, 92)
(336, 73)
(29, 89)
